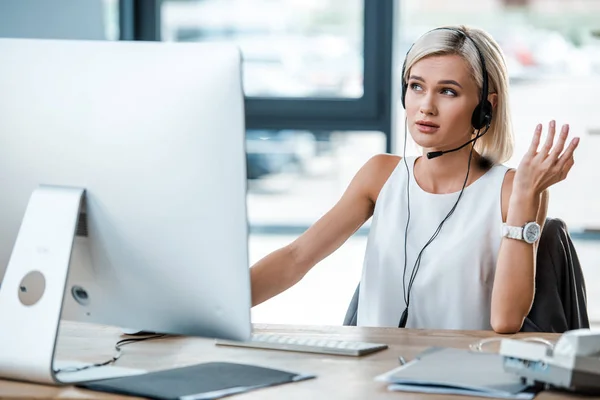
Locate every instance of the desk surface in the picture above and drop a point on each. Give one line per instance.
(338, 377)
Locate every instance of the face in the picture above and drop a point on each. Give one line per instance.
(440, 99)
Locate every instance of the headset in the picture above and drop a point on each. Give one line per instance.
(481, 119)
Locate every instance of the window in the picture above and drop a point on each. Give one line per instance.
(60, 19)
(338, 53)
(295, 177)
(290, 48)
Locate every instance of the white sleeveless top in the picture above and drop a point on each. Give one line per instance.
(453, 286)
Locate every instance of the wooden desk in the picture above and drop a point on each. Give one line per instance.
(338, 377)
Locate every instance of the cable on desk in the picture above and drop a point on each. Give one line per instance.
(118, 346)
(478, 346)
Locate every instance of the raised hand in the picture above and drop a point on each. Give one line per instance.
(541, 168)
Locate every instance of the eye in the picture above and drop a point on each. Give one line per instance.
(415, 86)
(449, 92)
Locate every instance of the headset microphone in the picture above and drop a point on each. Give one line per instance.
(434, 154)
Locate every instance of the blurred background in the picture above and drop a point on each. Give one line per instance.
(322, 82)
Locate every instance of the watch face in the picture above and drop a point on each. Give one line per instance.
(531, 232)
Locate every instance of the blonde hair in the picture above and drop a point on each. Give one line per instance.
(498, 143)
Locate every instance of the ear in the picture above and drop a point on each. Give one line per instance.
(493, 99)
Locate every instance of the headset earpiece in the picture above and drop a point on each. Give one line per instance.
(482, 115)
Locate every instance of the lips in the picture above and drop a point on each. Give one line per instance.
(426, 126)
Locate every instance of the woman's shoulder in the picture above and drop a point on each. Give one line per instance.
(377, 171)
(382, 165)
(384, 161)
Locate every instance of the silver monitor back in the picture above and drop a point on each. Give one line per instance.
(154, 133)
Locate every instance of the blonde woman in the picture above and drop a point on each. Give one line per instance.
(454, 232)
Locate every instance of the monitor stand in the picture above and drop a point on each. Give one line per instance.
(32, 292)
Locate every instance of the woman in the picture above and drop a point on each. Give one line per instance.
(452, 242)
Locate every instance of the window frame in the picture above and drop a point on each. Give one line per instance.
(140, 20)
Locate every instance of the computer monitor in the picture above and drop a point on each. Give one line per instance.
(152, 135)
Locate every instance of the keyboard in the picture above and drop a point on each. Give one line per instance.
(306, 345)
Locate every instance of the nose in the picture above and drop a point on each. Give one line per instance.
(427, 106)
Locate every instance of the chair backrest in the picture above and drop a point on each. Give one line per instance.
(352, 313)
(560, 301)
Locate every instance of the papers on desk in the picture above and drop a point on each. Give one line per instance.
(455, 371)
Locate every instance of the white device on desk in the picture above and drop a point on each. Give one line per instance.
(306, 345)
(573, 363)
(123, 196)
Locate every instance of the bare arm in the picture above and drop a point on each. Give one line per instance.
(286, 266)
(514, 282)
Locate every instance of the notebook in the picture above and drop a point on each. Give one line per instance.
(197, 382)
(455, 371)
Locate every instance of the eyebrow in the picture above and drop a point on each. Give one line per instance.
(442, 82)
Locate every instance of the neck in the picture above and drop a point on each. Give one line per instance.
(446, 173)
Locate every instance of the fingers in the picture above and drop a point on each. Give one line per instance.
(566, 160)
(568, 154)
(549, 140)
(560, 144)
(551, 154)
(566, 168)
(535, 142)
(550, 151)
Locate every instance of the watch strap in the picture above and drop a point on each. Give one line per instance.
(512, 232)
